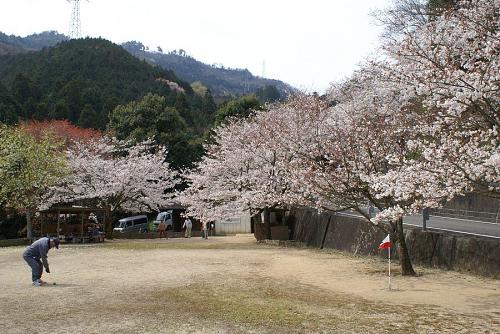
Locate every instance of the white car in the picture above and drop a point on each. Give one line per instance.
(163, 216)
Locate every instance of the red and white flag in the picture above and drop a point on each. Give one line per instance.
(386, 243)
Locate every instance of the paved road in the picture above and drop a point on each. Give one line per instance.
(458, 225)
(452, 225)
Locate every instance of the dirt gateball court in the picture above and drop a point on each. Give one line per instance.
(234, 285)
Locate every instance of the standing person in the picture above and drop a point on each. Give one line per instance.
(36, 256)
(161, 229)
(212, 229)
(205, 230)
(188, 225)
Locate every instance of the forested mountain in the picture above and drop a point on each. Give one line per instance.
(9, 49)
(82, 81)
(85, 80)
(10, 44)
(94, 83)
(222, 82)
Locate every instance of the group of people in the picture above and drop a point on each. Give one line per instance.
(207, 228)
(94, 232)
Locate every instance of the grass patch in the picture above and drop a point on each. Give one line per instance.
(276, 307)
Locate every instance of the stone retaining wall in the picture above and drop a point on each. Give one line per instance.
(453, 252)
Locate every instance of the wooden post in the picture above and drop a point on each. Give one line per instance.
(58, 224)
(81, 235)
(267, 223)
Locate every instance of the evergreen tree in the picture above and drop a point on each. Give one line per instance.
(8, 107)
(269, 93)
(241, 107)
(152, 118)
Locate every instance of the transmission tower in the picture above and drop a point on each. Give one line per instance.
(75, 28)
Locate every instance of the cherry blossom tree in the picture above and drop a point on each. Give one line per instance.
(451, 66)
(447, 73)
(231, 177)
(118, 176)
(409, 131)
(420, 127)
(351, 143)
(245, 167)
(440, 138)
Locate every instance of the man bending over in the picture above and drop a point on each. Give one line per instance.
(36, 254)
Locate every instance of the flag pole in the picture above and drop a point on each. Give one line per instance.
(389, 252)
(386, 243)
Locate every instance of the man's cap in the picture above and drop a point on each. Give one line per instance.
(56, 242)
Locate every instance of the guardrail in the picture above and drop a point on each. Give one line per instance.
(490, 217)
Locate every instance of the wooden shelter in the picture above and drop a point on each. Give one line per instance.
(75, 223)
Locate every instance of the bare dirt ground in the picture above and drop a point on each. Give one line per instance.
(233, 285)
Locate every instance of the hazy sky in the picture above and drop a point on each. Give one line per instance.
(307, 43)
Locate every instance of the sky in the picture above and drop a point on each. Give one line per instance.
(306, 43)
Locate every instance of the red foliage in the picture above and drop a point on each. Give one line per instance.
(61, 130)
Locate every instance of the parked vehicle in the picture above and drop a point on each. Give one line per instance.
(132, 224)
(163, 216)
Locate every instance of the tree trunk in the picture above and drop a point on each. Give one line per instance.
(29, 228)
(404, 256)
(108, 229)
(267, 223)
